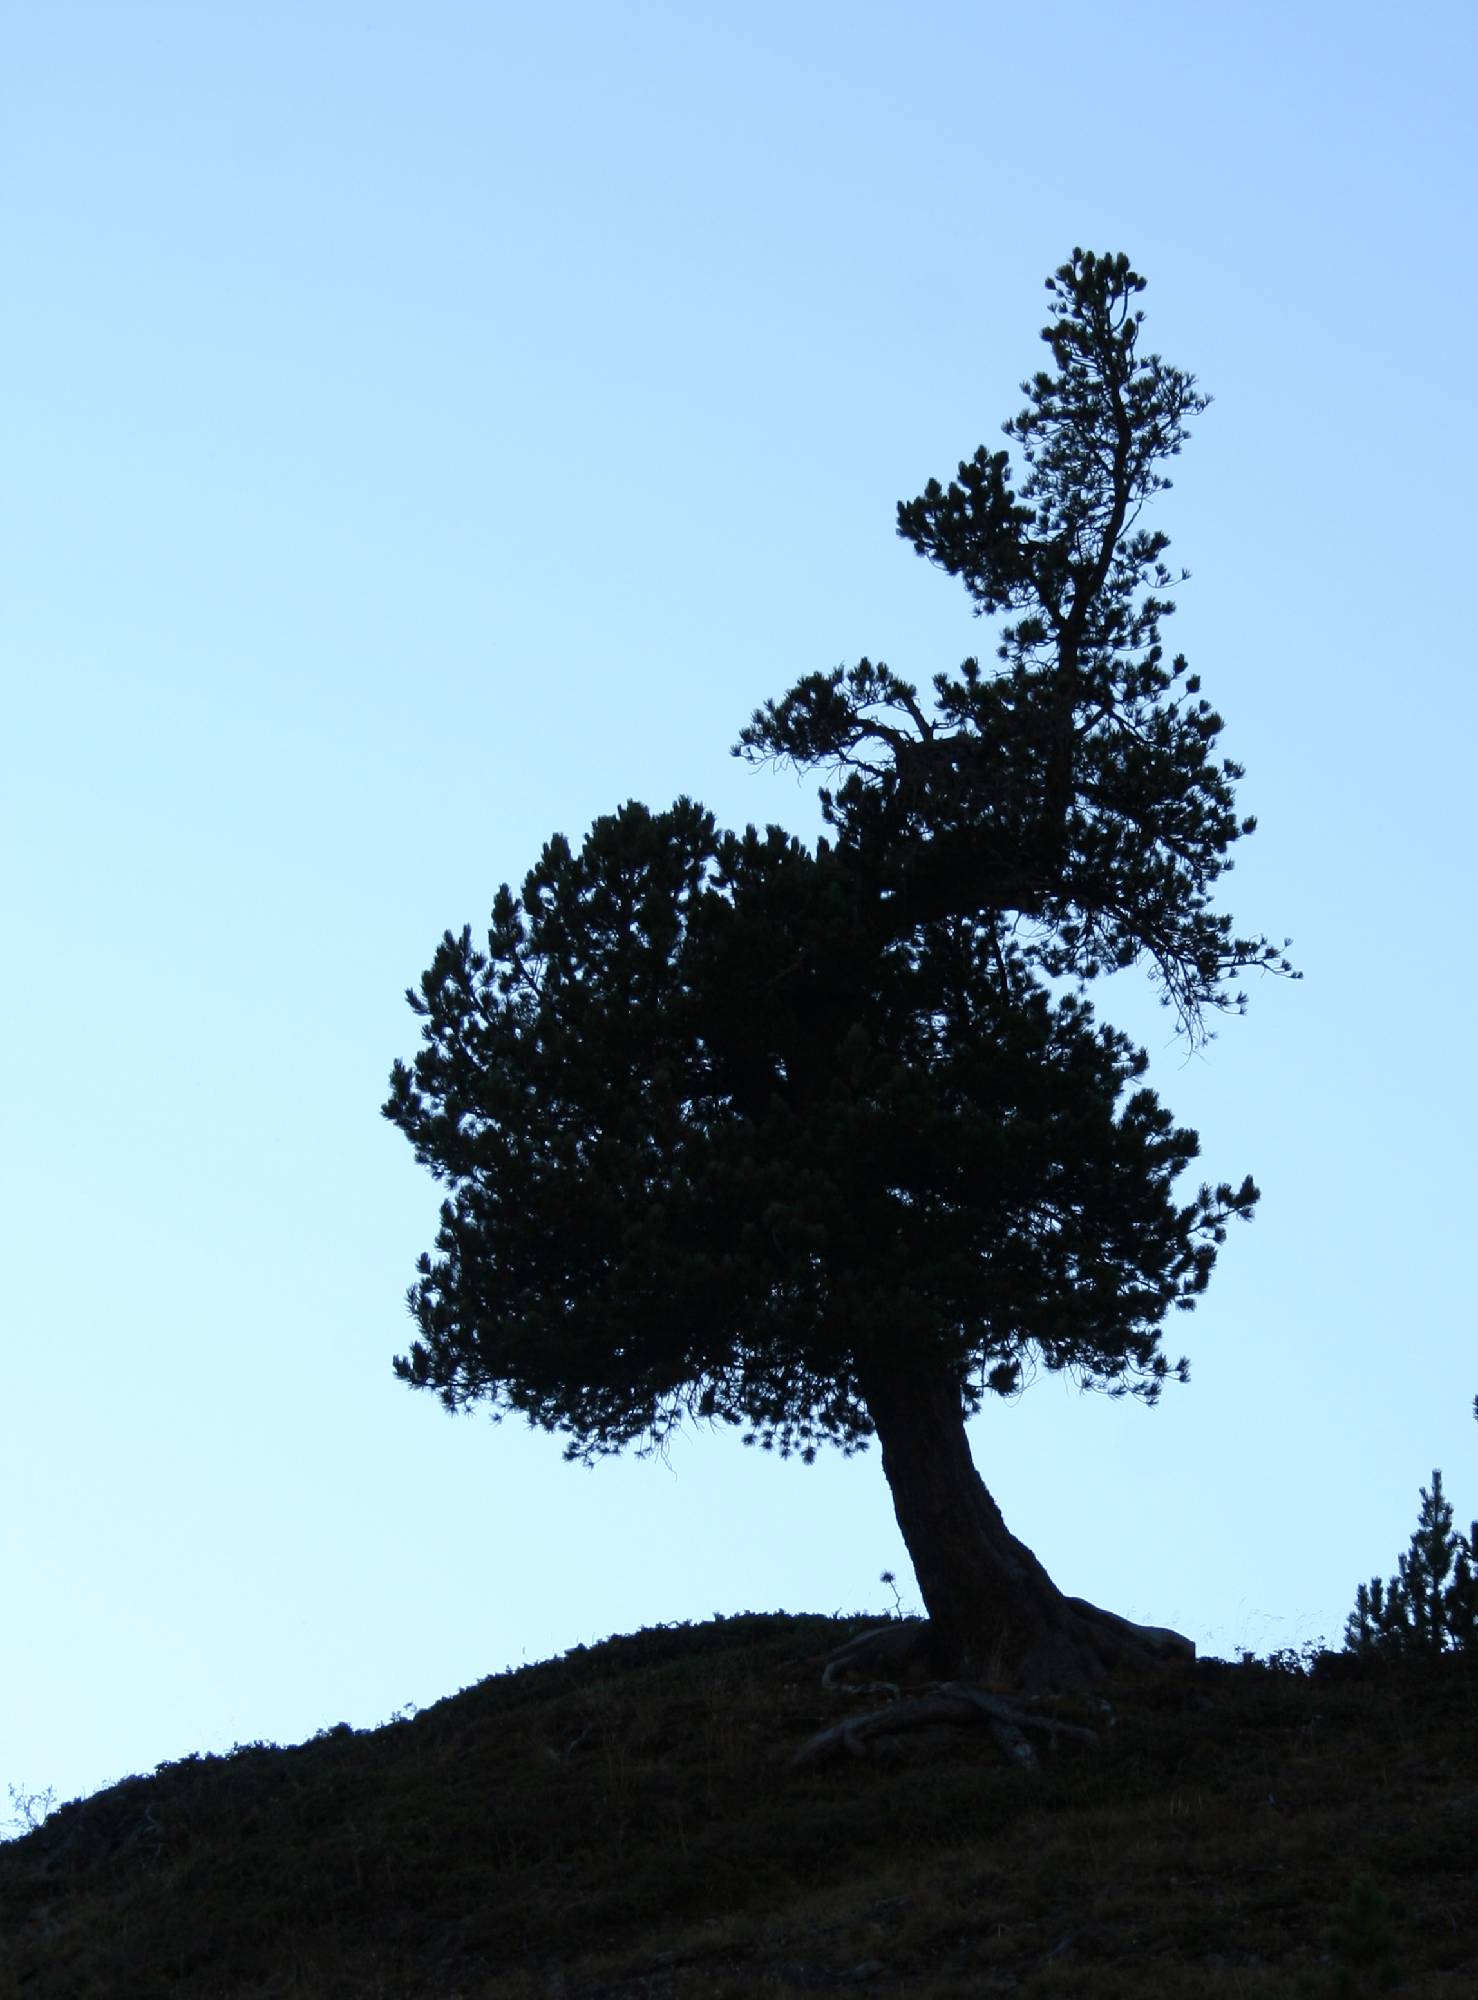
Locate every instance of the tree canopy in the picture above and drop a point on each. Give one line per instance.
(815, 1139)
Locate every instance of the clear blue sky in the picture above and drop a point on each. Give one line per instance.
(429, 427)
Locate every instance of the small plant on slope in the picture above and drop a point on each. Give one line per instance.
(1431, 1605)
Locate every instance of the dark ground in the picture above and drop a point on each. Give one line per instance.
(625, 1822)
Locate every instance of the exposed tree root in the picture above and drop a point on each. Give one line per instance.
(953, 1702)
(1075, 1646)
(1082, 1646)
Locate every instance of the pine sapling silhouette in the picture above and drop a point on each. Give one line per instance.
(825, 1141)
(1431, 1605)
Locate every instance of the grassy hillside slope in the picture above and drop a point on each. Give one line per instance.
(626, 1823)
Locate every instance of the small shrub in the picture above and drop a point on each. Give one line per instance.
(28, 1810)
(1362, 1944)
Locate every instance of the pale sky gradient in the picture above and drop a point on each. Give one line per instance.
(428, 427)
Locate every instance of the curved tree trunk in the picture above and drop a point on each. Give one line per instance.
(994, 1612)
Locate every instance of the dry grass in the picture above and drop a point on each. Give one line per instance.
(624, 1824)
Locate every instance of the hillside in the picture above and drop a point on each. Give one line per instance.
(625, 1823)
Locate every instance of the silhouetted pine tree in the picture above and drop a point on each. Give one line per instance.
(825, 1141)
(1431, 1605)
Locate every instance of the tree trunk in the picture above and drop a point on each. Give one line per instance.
(994, 1612)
